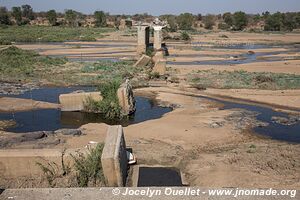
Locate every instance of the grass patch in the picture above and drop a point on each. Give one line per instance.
(19, 63)
(82, 170)
(109, 106)
(242, 79)
(49, 34)
(109, 70)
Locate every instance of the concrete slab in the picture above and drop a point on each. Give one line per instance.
(114, 157)
(143, 61)
(76, 101)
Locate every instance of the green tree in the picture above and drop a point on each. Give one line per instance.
(240, 20)
(185, 21)
(52, 17)
(27, 12)
(71, 17)
(273, 22)
(100, 18)
(17, 14)
(171, 19)
(4, 17)
(209, 21)
(289, 21)
(228, 19)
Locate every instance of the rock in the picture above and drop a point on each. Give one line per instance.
(143, 61)
(74, 132)
(76, 101)
(251, 52)
(217, 124)
(288, 121)
(126, 98)
(159, 55)
(160, 67)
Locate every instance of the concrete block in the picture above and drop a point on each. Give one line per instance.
(126, 98)
(143, 61)
(159, 55)
(160, 67)
(114, 157)
(76, 101)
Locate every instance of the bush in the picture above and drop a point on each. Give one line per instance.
(89, 167)
(185, 36)
(240, 20)
(109, 106)
(185, 21)
(209, 21)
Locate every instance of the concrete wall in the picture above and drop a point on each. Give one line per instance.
(76, 101)
(114, 157)
(143, 39)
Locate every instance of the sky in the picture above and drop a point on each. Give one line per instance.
(158, 7)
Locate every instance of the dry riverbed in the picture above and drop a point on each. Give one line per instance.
(212, 147)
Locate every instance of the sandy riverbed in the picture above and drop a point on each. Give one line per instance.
(209, 156)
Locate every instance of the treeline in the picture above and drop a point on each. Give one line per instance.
(24, 14)
(186, 21)
(237, 21)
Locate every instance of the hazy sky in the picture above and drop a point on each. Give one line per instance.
(157, 7)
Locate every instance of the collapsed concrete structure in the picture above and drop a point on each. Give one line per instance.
(77, 101)
(143, 45)
(114, 157)
(144, 36)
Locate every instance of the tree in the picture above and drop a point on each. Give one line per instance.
(71, 17)
(100, 18)
(199, 17)
(17, 14)
(171, 19)
(4, 17)
(273, 22)
(228, 19)
(52, 17)
(27, 12)
(209, 21)
(240, 20)
(185, 21)
(289, 21)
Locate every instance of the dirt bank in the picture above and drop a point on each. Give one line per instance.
(9, 104)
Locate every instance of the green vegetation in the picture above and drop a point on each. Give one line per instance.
(282, 21)
(109, 70)
(109, 106)
(185, 36)
(243, 79)
(100, 17)
(240, 21)
(185, 21)
(85, 170)
(52, 17)
(15, 62)
(53, 171)
(171, 19)
(4, 16)
(48, 34)
(209, 21)
(89, 168)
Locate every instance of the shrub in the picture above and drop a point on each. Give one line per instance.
(88, 167)
(185, 36)
(109, 106)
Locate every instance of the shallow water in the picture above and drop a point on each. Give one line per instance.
(240, 59)
(289, 133)
(53, 119)
(158, 177)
